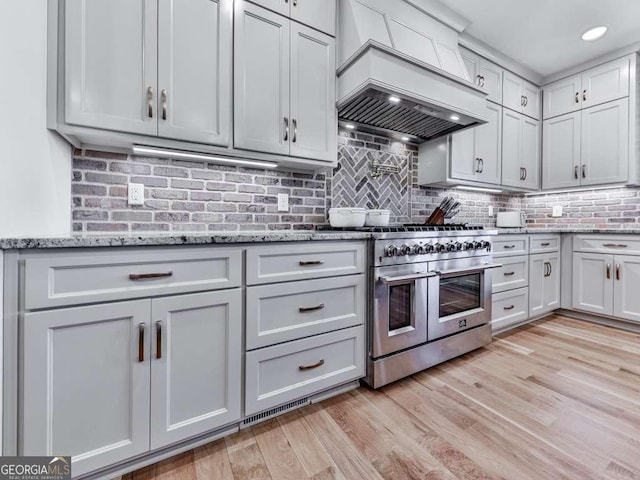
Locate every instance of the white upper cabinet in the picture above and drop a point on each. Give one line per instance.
(605, 143)
(605, 83)
(318, 14)
(561, 154)
(464, 163)
(194, 101)
(520, 151)
(484, 74)
(111, 64)
(313, 93)
(563, 96)
(520, 95)
(261, 80)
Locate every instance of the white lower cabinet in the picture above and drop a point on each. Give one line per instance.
(626, 293)
(544, 283)
(107, 382)
(509, 308)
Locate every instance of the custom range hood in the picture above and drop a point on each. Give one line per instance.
(401, 73)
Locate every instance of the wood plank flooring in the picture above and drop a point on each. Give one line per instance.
(557, 399)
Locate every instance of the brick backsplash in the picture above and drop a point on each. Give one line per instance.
(607, 208)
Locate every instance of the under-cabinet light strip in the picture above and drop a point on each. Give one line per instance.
(574, 190)
(478, 189)
(164, 153)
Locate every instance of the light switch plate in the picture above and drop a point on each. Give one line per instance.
(491, 210)
(135, 194)
(283, 202)
(557, 211)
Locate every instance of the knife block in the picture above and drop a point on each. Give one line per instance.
(436, 218)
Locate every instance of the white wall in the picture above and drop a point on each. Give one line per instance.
(35, 164)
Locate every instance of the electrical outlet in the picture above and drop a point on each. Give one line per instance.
(491, 211)
(136, 194)
(557, 211)
(283, 202)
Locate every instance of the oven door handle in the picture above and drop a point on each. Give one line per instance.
(405, 278)
(469, 270)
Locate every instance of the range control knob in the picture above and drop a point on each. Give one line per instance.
(429, 248)
(391, 251)
(404, 250)
(477, 245)
(486, 244)
(417, 249)
(439, 248)
(451, 247)
(468, 245)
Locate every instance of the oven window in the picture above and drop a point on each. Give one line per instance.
(400, 306)
(459, 294)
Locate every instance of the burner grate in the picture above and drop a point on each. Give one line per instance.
(409, 227)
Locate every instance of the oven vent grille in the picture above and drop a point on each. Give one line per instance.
(266, 415)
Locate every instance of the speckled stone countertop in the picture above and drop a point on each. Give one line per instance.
(621, 231)
(175, 239)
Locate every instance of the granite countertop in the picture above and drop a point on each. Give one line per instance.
(622, 231)
(175, 238)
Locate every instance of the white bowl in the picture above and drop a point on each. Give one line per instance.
(377, 218)
(347, 217)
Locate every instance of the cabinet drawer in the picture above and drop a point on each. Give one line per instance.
(282, 373)
(544, 243)
(607, 244)
(514, 273)
(511, 245)
(71, 278)
(289, 311)
(304, 260)
(509, 307)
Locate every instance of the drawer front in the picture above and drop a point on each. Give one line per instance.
(304, 260)
(511, 245)
(514, 273)
(611, 244)
(286, 372)
(72, 278)
(544, 243)
(293, 310)
(509, 307)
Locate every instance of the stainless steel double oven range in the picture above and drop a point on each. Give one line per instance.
(430, 297)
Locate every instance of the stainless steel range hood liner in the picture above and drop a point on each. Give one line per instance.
(433, 102)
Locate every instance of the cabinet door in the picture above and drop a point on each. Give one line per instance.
(530, 153)
(561, 151)
(111, 64)
(489, 146)
(472, 64)
(261, 80)
(511, 148)
(195, 89)
(605, 143)
(464, 164)
(562, 97)
(625, 292)
(531, 95)
(593, 283)
(491, 80)
(512, 96)
(195, 365)
(85, 391)
(544, 284)
(314, 120)
(605, 83)
(320, 15)
(552, 284)
(279, 6)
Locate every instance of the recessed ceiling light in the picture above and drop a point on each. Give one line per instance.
(594, 33)
(455, 118)
(349, 126)
(394, 99)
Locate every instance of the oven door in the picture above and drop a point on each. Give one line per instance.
(399, 308)
(460, 297)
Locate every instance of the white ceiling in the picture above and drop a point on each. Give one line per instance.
(544, 35)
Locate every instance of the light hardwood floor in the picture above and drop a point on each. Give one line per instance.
(557, 399)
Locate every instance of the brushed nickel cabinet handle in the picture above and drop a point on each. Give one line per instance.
(577, 97)
(526, 101)
(479, 80)
(545, 244)
(311, 367)
(286, 129)
(150, 102)
(618, 271)
(609, 245)
(509, 274)
(141, 342)
(147, 276)
(159, 339)
(584, 95)
(311, 309)
(584, 171)
(509, 247)
(522, 100)
(163, 98)
(477, 165)
(510, 307)
(525, 173)
(621, 245)
(309, 263)
(575, 172)
(482, 81)
(295, 123)
(481, 166)
(608, 271)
